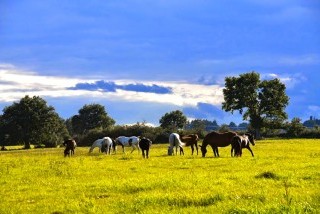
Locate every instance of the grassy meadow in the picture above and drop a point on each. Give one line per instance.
(283, 177)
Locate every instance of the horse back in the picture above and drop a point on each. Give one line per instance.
(219, 139)
(190, 139)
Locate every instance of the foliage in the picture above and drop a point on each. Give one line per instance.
(31, 120)
(202, 125)
(173, 120)
(312, 122)
(93, 116)
(272, 182)
(224, 128)
(263, 103)
(155, 134)
(295, 128)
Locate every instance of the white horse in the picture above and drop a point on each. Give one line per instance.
(104, 143)
(174, 141)
(128, 141)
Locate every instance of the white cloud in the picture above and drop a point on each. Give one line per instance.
(300, 60)
(314, 108)
(15, 84)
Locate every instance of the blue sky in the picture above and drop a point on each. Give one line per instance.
(142, 59)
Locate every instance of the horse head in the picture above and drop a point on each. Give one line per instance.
(251, 138)
(203, 150)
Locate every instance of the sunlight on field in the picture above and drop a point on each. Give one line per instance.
(283, 177)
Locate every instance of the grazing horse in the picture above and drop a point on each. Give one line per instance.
(244, 142)
(174, 141)
(105, 144)
(70, 145)
(145, 145)
(215, 140)
(191, 140)
(128, 141)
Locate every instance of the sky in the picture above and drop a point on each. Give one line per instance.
(144, 58)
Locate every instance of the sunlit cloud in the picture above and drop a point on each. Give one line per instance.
(15, 84)
(290, 80)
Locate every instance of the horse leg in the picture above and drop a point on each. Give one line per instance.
(147, 151)
(143, 155)
(214, 151)
(196, 147)
(250, 150)
(192, 149)
(123, 148)
(91, 149)
(181, 150)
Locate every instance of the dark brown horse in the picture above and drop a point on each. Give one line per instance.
(191, 140)
(215, 140)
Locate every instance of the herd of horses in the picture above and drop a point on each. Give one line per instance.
(213, 139)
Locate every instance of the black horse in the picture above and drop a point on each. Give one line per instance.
(70, 145)
(145, 145)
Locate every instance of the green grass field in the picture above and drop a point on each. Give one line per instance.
(283, 177)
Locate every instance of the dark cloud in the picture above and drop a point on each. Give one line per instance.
(112, 86)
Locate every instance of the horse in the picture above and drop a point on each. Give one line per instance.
(145, 145)
(191, 140)
(70, 145)
(215, 140)
(105, 144)
(174, 141)
(128, 141)
(244, 142)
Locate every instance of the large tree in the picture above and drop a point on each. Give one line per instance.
(90, 117)
(31, 120)
(173, 120)
(262, 103)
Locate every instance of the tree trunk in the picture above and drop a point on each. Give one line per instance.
(258, 134)
(27, 145)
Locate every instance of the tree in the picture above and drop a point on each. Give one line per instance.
(262, 103)
(295, 128)
(232, 125)
(173, 120)
(93, 116)
(32, 121)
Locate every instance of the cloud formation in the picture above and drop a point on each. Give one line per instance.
(16, 83)
(110, 86)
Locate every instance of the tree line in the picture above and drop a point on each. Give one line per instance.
(261, 102)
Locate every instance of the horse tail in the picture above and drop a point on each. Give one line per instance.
(181, 144)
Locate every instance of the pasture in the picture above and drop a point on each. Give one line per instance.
(283, 177)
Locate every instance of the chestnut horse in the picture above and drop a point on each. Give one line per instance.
(215, 140)
(191, 140)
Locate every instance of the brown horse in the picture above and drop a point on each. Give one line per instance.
(191, 140)
(215, 140)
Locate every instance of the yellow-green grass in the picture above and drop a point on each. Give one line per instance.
(283, 177)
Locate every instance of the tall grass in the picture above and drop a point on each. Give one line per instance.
(283, 177)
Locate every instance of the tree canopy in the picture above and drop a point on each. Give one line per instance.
(93, 116)
(31, 120)
(173, 120)
(262, 103)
